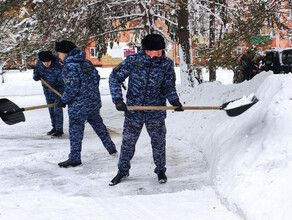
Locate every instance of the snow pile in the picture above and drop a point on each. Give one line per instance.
(250, 156)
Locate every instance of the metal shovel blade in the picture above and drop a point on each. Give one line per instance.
(10, 113)
(240, 109)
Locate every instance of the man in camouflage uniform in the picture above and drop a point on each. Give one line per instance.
(83, 98)
(151, 82)
(247, 67)
(49, 69)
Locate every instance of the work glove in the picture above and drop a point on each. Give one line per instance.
(120, 105)
(178, 104)
(61, 104)
(36, 77)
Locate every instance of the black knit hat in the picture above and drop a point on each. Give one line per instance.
(153, 42)
(45, 56)
(64, 46)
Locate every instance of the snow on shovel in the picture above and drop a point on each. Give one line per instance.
(11, 114)
(232, 108)
(238, 106)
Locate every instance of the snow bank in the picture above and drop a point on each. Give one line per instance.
(252, 155)
(249, 156)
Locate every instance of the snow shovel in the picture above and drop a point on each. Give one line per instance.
(232, 112)
(11, 114)
(50, 87)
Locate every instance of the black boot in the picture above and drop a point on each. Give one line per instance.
(51, 131)
(117, 179)
(69, 163)
(162, 178)
(114, 152)
(57, 134)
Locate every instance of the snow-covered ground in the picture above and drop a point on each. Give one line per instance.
(218, 167)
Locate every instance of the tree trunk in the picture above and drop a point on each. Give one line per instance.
(223, 17)
(188, 76)
(2, 71)
(212, 38)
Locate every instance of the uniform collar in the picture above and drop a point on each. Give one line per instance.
(154, 59)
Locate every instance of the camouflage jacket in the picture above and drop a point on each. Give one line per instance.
(81, 81)
(151, 82)
(52, 75)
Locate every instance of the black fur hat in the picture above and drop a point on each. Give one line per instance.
(45, 56)
(64, 46)
(153, 42)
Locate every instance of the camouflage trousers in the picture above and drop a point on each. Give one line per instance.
(131, 133)
(76, 132)
(56, 115)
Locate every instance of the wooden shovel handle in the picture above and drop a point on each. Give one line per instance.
(173, 107)
(39, 106)
(51, 88)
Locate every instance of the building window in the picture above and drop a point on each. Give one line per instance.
(199, 52)
(237, 51)
(273, 33)
(264, 31)
(196, 53)
(290, 13)
(93, 52)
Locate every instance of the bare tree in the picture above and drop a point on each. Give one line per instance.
(30, 26)
(239, 21)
